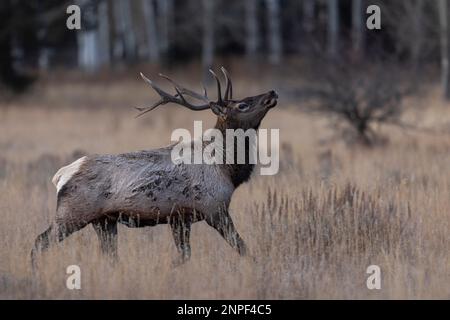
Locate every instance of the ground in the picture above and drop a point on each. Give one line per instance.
(312, 229)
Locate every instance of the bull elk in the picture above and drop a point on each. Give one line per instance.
(147, 188)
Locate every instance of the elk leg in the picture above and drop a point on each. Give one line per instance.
(223, 223)
(181, 230)
(57, 232)
(106, 230)
(41, 243)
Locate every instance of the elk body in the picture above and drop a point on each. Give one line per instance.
(147, 188)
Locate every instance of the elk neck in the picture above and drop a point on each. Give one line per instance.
(238, 173)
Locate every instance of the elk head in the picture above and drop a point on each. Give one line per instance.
(244, 113)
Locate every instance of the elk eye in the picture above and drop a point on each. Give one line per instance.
(242, 106)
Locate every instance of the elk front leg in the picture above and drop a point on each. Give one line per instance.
(106, 230)
(223, 223)
(181, 231)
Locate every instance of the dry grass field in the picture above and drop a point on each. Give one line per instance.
(312, 229)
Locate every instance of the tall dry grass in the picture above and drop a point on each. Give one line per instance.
(312, 230)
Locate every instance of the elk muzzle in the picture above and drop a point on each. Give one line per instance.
(270, 99)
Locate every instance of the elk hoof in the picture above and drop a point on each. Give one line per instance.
(179, 261)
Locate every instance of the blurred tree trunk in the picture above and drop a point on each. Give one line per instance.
(87, 50)
(252, 32)
(18, 43)
(308, 25)
(88, 37)
(116, 32)
(125, 41)
(129, 37)
(443, 22)
(7, 72)
(273, 17)
(140, 29)
(165, 25)
(333, 28)
(357, 27)
(44, 50)
(148, 11)
(419, 35)
(103, 32)
(308, 16)
(115, 42)
(208, 37)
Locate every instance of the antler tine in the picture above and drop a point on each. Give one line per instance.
(150, 82)
(229, 89)
(185, 90)
(205, 93)
(147, 109)
(219, 91)
(177, 99)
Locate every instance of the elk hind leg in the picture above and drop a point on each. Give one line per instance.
(106, 230)
(181, 230)
(56, 233)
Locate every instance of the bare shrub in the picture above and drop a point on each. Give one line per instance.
(357, 95)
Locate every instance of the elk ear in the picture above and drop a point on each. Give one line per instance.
(218, 109)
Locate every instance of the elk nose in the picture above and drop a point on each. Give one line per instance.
(273, 94)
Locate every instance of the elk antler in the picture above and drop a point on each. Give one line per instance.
(179, 97)
(229, 89)
(219, 91)
(188, 92)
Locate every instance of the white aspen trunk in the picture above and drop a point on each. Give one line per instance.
(333, 27)
(87, 50)
(208, 36)
(251, 26)
(443, 22)
(273, 17)
(44, 59)
(357, 27)
(87, 38)
(44, 52)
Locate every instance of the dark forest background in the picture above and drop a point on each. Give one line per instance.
(319, 53)
(34, 37)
